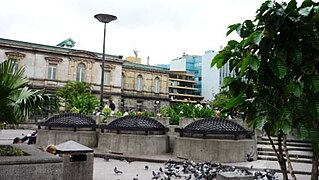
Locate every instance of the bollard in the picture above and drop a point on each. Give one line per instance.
(77, 160)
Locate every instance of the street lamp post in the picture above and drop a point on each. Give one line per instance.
(104, 18)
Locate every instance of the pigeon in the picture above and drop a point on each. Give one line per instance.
(177, 175)
(250, 156)
(136, 178)
(156, 175)
(106, 158)
(188, 177)
(117, 171)
(161, 170)
(166, 178)
(129, 160)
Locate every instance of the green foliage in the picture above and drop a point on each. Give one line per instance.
(132, 113)
(119, 113)
(174, 116)
(184, 110)
(17, 100)
(106, 111)
(148, 114)
(277, 68)
(78, 95)
(75, 110)
(10, 151)
(220, 100)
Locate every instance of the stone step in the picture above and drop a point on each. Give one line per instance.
(291, 155)
(273, 158)
(290, 149)
(293, 144)
(288, 140)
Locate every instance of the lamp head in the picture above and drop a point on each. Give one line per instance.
(105, 18)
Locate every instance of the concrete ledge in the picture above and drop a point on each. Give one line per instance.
(133, 144)
(216, 150)
(37, 165)
(86, 138)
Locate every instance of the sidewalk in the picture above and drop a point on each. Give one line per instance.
(104, 168)
(302, 170)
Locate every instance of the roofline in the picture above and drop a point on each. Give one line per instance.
(128, 64)
(54, 48)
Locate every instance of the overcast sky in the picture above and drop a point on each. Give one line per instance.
(161, 29)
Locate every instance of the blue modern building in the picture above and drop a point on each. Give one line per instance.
(192, 64)
(208, 80)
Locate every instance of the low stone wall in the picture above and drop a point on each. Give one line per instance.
(86, 138)
(172, 136)
(163, 120)
(37, 165)
(133, 144)
(216, 150)
(185, 121)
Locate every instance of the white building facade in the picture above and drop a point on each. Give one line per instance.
(210, 76)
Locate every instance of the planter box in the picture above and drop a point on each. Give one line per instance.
(36, 165)
(133, 144)
(56, 136)
(163, 120)
(215, 150)
(186, 121)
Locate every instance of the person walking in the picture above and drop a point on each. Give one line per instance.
(111, 106)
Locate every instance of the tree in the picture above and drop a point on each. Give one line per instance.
(220, 100)
(277, 72)
(17, 100)
(78, 95)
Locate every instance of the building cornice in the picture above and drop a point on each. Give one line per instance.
(46, 49)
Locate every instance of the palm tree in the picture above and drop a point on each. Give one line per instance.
(17, 100)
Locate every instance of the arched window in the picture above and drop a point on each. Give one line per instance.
(80, 72)
(139, 83)
(157, 85)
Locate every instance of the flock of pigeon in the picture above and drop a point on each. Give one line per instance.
(189, 170)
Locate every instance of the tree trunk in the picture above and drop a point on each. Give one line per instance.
(281, 160)
(279, 154)
(314, 171)
(293, 176)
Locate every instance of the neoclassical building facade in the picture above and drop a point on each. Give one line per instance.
(131, 86)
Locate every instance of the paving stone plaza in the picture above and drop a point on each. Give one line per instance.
(144, 167)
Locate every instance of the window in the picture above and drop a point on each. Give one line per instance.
(52, 71)
(139, 105)
(107, 77)
(123, 81)
(16, 64)
(17, 57)
(80, 72)
(139, 83)
(157, 85)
